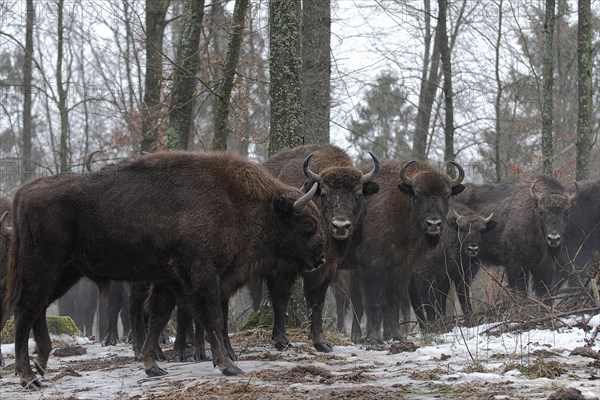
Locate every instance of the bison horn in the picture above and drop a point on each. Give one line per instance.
(457, 215)
(532, 192)
(303, 201)
(309, 174)
(88, 160)
(5, 229)
(406, 180)
(369, 176)
(461, 174)
(489, 218)
(573, 196)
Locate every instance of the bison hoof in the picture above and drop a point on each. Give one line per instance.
(34, 383)
(156, 371)
(324, 347)
(2, 362)
(178, 359)
(109, 343)
(232, 371)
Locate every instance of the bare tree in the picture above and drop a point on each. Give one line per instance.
(156, 11)
(548, 88)
(286, 75)
(226, 84)
(447, 70)
(584, 65)
(316, 69)
(184, 78)
(28, 168)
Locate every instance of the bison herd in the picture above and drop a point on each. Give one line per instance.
(191, 229)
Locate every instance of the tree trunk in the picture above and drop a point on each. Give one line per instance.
(156, 11)
(584, 88)
(427, 95)
(62, 94)
(184, 77)
(316, 69)
(226, 85)
(548, 88)
(448, 94)
(28, 171)
(498, 102)
(286, 75)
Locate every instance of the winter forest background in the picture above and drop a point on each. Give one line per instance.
(89, 60)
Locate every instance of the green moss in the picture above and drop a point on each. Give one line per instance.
(60, 325)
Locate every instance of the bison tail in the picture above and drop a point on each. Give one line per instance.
(13, 278)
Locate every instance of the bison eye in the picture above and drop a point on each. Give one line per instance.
(308, 225)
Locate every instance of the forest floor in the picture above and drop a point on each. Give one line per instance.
(466, 363)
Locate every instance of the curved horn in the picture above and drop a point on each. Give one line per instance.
(5, 229)
(309, 174)
(573, 196)
(406, 180)
(532, 192)
(489, 218)
(369, 176)
(461, 174)
(303, 201)
(144, 153)
(457, 215)
(88, 160)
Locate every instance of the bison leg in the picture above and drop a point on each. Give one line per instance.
(279, 290)
(226, 341)
(43, 344)
(356, 307)
(341, 304)
(159, 305)
(207, 306)
(24, 320)
(315, 301)
(124, 313)
(199, 341)
(183, 327)
(137, 294)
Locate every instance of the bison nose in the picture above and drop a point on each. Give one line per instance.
(341, 228)
(434, 226)
(553, 239)
(472, 250)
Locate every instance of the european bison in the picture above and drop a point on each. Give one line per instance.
(580, 258)
(341, 191)
(400, 225)
(532, 216)
(5, 221)
(340, 286)
(198, 224)
(80, 303)
(115, 304)
(454, 260)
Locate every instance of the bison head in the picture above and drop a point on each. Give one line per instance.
(470, 227)
(553, 210)
(297, 233)
(430, 191)
(340, 194)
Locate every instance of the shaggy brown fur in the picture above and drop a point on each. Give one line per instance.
(197, 224)
(399, 226)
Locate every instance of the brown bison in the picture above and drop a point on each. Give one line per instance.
(197, 224)
(532, 218)
(454, 260)
(400, 225)
(341, 191)
(340, 286)
(5, 221)
(580, 258)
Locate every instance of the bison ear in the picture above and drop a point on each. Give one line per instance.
(404, 188)
(308, 184)
(283, 207)
(490, 225)
(457, 189)
(370, 188)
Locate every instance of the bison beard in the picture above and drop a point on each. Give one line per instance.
(193, 223)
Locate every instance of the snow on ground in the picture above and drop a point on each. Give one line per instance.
(463, 364)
